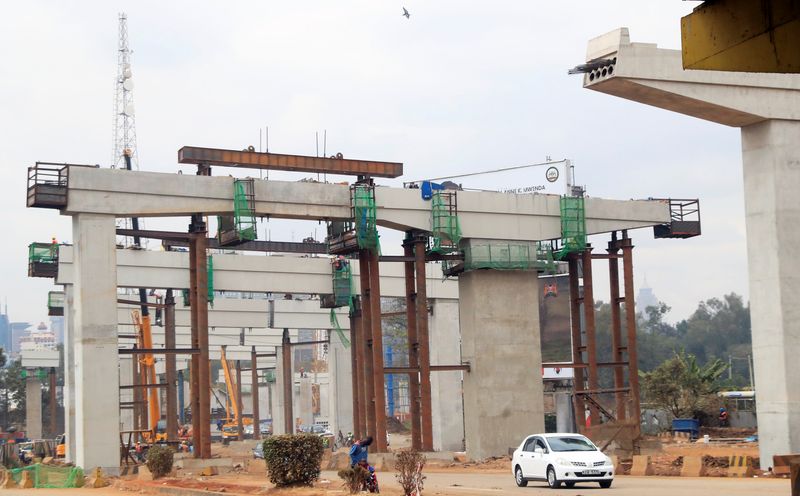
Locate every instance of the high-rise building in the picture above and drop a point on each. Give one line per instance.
(645, 298)
(5, 333)
(57, 327)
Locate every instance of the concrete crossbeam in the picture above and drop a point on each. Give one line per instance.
(483, 215)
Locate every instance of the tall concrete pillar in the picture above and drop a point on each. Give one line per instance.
(276, 390)
(771, 160)
(33, 406)
(69, 374)
(499, 316)
(95, 338)
(447, 402)
(340, 389)
(565, 414)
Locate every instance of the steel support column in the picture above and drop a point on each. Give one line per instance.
(200, 310)
(591, 335)
(170, 368)
(423, 341)
(288, 380)
(377, 354)
(355, 364)
(239, 421)
(366, 337)
(616, 326)
(194, 370)
(630, 323)
(254, 394)
(413, 346)
(579, 403)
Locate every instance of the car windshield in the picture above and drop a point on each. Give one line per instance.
(570, 444)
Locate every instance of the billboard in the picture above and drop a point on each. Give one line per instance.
(554, 325)
(551, 178)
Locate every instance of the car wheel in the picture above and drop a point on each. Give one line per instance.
(605, 484)
(569, 485)
(519, 478)
(552, 481)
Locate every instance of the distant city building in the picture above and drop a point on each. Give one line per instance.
(5, 333)
(645, 298)
(18, 330)
(40, 338)
(57, 326)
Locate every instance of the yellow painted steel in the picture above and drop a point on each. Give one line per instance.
(743, 35)
(148, 362)
(233, 399)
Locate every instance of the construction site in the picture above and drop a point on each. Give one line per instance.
(429, 315)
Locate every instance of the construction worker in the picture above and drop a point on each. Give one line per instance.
(359, 451)
(139, 451)
(54, 248)
(723, 417)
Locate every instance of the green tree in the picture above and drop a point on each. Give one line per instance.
(682, 386)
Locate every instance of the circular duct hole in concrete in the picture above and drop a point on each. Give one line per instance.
(610, 70)
(604, 72)
(591, 76)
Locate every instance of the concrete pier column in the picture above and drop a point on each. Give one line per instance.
(69, 374)
(33, 406)
(277, 394)
(304, 403)
(565, 415)
(340, 388)
(95, 339)
(447, 403)
(499, 317)
(126, 395)
(771, 159)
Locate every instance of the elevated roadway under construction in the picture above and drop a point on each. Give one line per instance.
(498, 314)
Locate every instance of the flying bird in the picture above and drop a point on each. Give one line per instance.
(406, 14)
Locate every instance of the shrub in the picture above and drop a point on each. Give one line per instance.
(353, 478)
(159, 460)
(409, 466)
(293, 459)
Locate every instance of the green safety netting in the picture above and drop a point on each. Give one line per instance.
(445, 229)
(506, 255)
(365, 217)
(573, 225)
(43, 252)
(342, 283)
(55, 299)
(244, 213)
(49, 477)
(269, 376)
(338, 328)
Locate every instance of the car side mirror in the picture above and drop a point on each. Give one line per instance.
(538, 450)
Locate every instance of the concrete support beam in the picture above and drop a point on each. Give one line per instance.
(33, 406)
(446, 387)
(95, 340)
(771, 155)
(499, 316)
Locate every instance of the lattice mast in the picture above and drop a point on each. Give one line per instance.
(124, 119)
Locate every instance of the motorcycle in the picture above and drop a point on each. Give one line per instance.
(370, 484)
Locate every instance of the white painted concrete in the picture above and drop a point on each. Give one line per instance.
(340, 397)
(447, 403)
(481, 214)
(33, 406)
(499, 316)
(96, 360)
(767, 108)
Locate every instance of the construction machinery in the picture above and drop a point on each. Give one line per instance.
(147, 371)
(230, 429)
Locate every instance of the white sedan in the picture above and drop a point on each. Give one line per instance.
(557, 458)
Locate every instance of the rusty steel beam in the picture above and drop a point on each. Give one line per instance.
(630, 323)
(150, 234)
(303, 343)
(434, 368)
(575, 327)
(426, 411)
(366, 337)
(591, 334)
(141, 303)
(288, 376)
(413, 348)
(356, 374)
(159, 351)
(170, 367)
(255, 394)
(144, 386)
(295, 163)
(377, 354)
(582, 365)
(194, 370)
(616, 325)
(257, 245)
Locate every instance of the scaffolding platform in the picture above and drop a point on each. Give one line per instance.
(43, 260)
(241, 226)
(55, 303)
(684, 220)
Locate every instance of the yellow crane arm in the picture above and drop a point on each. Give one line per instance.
(148, 362)
(229, 384)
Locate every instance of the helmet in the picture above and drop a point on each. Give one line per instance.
(722, 409)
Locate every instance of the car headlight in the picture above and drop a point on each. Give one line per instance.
(563, 461)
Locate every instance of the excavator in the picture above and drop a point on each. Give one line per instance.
(230, 429)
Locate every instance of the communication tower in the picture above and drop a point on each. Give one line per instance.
(124, 153)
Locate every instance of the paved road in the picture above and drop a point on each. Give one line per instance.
(467, 484)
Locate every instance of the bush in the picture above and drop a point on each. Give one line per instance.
(159, 460)
(409, 466)
(354, 478)
(293, 459)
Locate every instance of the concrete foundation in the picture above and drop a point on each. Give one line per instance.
(565, 414)
(771, 160)
(95, 340)
(499, 316)
(447, 403)
(33, 406)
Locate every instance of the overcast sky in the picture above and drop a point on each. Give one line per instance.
(459, 87)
